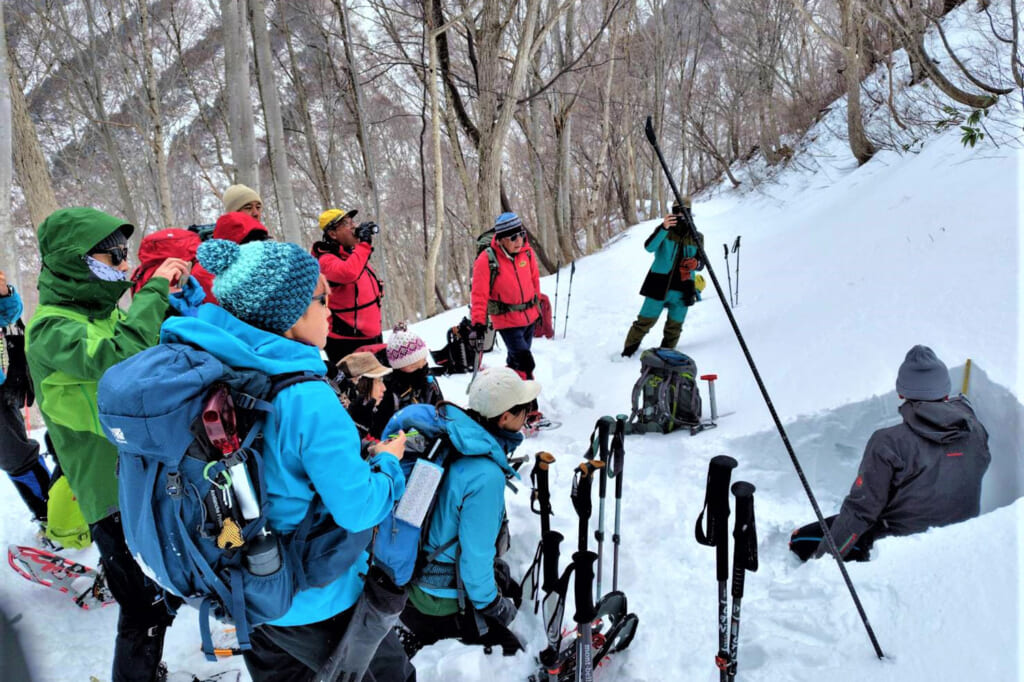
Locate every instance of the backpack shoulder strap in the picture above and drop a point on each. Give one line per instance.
(492, 262)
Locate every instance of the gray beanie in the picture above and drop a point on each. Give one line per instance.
(922, 375)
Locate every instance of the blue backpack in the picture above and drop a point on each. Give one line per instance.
(190, 519)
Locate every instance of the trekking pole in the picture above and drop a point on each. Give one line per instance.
(585, 614)
(716, 504)
(601, 430)
(744, 559)
(568, 299)
(582, 483)
(725, 247)
(479, 349)
(618, 456)
(736, 250)
(540, 504)
(963, 389)
(830, 542)
(558, 273)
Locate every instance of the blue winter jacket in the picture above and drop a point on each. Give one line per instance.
(664, 276)
(312, 447)
(10, 311)
(471, 501)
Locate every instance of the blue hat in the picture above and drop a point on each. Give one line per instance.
(922, 376)
(266, 284)
(507, 223)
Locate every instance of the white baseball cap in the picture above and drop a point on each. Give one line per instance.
(498, 389)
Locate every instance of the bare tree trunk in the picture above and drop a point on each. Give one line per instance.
(156, 139)
(369, 168)
(434, 250)
(10, 264)
(276, 145)
(29, 162)
(318, 170)
(850, 23)
(241, 122)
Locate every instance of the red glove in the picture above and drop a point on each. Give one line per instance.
(690, 263)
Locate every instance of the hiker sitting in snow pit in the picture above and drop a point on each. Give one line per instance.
(924, 472)
(273, 317)
(465, 590)
(670, 283)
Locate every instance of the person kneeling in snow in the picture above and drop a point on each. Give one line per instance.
(924, 472)
(465, 590)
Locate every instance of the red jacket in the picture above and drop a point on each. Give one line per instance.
(356, 291)
(517, 284)
(155, 248)
(235, 227)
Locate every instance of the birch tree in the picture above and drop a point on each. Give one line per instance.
(10, 254)
(241, 122)
(276, 146)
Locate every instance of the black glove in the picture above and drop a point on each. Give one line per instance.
(501, 611)
(476, 336)
(364, 231)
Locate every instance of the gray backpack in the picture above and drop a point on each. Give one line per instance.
(665, 397)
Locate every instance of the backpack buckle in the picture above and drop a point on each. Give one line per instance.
(174, 488)
(245, 401)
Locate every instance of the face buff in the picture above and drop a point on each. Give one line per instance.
(104, 272)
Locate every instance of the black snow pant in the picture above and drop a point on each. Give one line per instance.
(295, 653)
(428, 630)
(19, 459)
(805, 540)
(518, 341)
(145, 611)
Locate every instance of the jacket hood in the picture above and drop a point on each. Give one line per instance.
(155, 248)
(241, 345)
(235, 227)
(937, 421)
(65, 237)
(473, 440)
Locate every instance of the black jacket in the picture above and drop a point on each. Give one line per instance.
(924, 472)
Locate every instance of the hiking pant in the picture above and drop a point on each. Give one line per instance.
(145, 613)
(805, 540)
(295, 653)
(428, 630)
(336, 349)
(518, 341)
(19, 458)
(650, 311)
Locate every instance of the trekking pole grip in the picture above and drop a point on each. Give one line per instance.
(584, 563)
(744, 536)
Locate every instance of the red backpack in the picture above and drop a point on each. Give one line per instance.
(545, 327)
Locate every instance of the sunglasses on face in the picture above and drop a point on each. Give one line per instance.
(118, 255)
(515, 235)
(322, 299)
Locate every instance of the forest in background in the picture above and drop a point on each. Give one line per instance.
(433, 116)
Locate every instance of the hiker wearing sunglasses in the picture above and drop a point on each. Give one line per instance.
(511, 297)
(77, 333)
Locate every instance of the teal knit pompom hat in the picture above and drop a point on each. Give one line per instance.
(266, 284)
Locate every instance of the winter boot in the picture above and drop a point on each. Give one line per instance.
(34, 486)
(670, 337)
(636, 334)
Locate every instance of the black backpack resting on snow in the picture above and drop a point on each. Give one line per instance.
(665, 397)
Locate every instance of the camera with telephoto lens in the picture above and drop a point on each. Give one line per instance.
(364, 231)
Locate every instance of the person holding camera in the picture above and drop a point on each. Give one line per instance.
(509, 295)
(670, 283)
(356, 291)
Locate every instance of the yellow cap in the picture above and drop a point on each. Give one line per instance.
(333, 215)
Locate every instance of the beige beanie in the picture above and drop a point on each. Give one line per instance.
(237, 196)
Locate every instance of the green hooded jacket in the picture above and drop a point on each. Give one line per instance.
(76, 333)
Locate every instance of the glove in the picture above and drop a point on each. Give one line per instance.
(364, 231)
(476, 336)
(501, 611)
(690, 263)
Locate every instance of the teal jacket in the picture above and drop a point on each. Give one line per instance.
(471, 502)
(311, 447)
(669, 251)
(10, 311)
